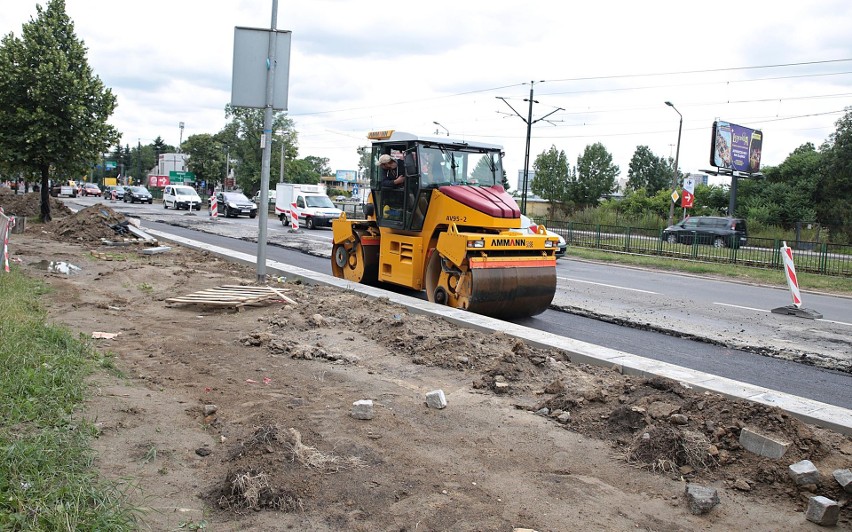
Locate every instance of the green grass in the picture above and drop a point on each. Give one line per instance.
(807, 281)
(47, 481)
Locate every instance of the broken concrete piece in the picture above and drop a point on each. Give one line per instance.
(804, 473)
(104, 335)
(362, 409)
(701, 499)
(138, 233)
(154, 251)
(436, 399)
(844, 478)
(822, 511)
(762, 445)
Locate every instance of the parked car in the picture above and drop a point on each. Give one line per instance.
(233, 204)
(181, 197)
(525, 227)
(720, 231)
(118, 189)
(137, 193)
(90, 189)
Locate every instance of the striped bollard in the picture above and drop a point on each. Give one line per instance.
(294, 218)
(793, 283)
(214, 208)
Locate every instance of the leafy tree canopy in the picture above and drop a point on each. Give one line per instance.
(550, 181)
(53, 108)
(595, 176)
(648, 171)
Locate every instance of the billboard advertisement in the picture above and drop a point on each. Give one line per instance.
(346, 175)
(735, 147)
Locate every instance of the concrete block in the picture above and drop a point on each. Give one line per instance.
(362, 409)
(701, 499)
(804, 472)
(762, 445)
(844, 478)
(436, 399)
(822, 511)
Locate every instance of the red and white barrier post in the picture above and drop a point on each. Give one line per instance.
(294, 218)
(6, 224)
(793, 283)
(214, 207)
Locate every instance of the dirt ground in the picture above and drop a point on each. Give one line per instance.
(242, 419)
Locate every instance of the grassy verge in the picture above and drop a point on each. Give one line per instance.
(46, 477)
(807, 281)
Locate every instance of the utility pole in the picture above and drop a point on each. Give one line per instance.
(529, 122)
(266, 145)
(677, 154)
(281, 173)
(138, 161)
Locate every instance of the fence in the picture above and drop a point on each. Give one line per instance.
(813, 257)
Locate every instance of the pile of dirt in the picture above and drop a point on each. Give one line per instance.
(30, 204)
(656, 424)
(90, 225)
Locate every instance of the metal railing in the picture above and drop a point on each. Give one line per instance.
(812, 257)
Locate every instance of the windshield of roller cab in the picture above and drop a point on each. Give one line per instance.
(444, 166)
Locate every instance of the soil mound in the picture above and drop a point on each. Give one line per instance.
(30, 204)
(91, 225)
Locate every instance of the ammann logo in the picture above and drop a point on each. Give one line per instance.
(508, 242)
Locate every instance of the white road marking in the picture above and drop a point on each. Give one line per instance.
(763, 310)
(738, 306)
(837, 322)
(607, 285)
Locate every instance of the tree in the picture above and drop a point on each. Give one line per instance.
(206, 157)
(647, 171)
(319, 165)
(364, 155)
(595, 176)
(302, 171)
(835, 181)
(53, 109)
(551, 178)
(242, 136)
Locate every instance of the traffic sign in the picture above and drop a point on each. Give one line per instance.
(675, 196)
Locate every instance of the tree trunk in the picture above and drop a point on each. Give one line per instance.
(45, 194)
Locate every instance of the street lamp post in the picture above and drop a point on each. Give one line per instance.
(445, 129)
(281, 174)
(677, 154)
(180, 142)
(227, 168)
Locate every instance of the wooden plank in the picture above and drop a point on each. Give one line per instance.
(282, 296)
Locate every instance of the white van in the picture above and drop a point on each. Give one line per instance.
(181, 197)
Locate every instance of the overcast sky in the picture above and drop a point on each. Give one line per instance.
(782, 67)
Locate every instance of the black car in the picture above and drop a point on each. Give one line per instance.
(719, 231)
(140, 194)
(234, 204)
(119, 192)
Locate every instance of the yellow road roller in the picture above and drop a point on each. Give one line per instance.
(449, 228)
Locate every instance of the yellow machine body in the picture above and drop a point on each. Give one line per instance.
(457, 235)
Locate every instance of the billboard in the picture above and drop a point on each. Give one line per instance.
(349, 176)
(735, 147)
